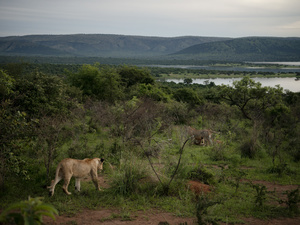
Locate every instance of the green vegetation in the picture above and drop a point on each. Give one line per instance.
(138, 125)
(30, 212)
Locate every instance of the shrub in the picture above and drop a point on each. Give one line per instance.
(293, 201)
(28, 212)
(125, 181)
(260, 196)
(249, 149)
(202, 205)
(280, 169)
(180, 112)
(201, 174)
(217, 153)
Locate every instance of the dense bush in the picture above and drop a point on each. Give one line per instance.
(136, 124)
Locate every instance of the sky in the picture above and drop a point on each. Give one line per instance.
(163, 18)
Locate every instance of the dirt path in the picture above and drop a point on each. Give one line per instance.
(112, 217)
(154, 217)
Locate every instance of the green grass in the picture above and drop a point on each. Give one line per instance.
(238, 199)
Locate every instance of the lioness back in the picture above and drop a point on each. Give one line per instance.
(79, 168)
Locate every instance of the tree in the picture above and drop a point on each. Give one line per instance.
(38, 94)
(7, 84)
(50, 132)
(261, 105)
(251, 98)
(188, 81)
(15, 130)
(104, 84)
(133, 75)
(187, 95)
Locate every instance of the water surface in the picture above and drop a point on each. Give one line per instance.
(288, 83)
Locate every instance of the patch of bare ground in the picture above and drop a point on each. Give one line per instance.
(280, 221)
(153, 217)
(112, 217)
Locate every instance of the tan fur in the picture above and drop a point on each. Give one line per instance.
(201, 137)
(78, 169)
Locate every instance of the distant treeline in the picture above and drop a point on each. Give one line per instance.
(108, 60)
(26, 67)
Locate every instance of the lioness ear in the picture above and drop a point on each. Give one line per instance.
(102, 160)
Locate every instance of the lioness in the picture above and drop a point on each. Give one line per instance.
(77, 168)
(200, 136)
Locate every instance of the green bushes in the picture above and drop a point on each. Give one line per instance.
(200, 173)
(125, 181)
(28, 212)
(249, 148)
(138, 130)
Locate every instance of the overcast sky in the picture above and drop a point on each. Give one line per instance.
(165, 18)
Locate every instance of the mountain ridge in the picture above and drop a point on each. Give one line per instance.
(134, 46)
(108, 45)
(260, 48)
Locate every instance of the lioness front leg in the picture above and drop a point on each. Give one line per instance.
(95, 180)
(97, 184)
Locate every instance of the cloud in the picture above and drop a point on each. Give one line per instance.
(156, 17)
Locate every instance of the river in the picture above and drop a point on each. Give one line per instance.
(288, 83)
(292, 67)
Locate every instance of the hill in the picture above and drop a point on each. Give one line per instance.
(245, 49)
(162, 48)
(97, 45)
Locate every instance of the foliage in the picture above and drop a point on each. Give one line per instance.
(260, 197)
(188, 80)
(202, 205)
(133, 75)
(201, 174)
(7, 84)
(251, 98)
(179, 112)
(104, 84)
(249, 148)
(187, 95)
(14, 132)
(125, 181)
(293, 201)
(28, 212)
(137, 124)
(150, 91)
(38, 94)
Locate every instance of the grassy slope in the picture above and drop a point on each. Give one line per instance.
(235, 204)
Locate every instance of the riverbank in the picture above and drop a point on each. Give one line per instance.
(210, 75)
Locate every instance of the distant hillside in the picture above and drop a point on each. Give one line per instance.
(179, 48)
(245, 49)
(97, 45)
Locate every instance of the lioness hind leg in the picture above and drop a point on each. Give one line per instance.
(53, 184)
(66, 184)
